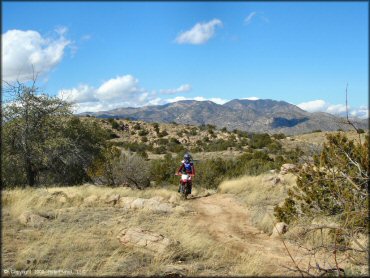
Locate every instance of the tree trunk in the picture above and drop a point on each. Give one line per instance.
(31, 175)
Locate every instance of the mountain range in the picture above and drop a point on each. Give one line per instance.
(263, 115)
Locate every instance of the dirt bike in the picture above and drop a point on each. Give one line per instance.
(184, 184)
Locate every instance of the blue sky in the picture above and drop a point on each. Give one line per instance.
(105, 55)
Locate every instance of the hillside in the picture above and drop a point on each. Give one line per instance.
(204, 142)
(263, 115)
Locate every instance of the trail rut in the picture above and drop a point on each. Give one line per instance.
(228, 223)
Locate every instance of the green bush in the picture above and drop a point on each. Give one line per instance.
(162, 171)
(279, 136)
(160, 150)
(137, 126)
(336, 183)
(143, 132)
(259, 140)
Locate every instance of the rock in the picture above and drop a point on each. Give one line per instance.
(31, 219)
(285, 168)
(125, 202)
(157, 198)
(276, 180)
(137, 204)
(91, 199)
(178, 270)
(360, 242)
(279, 229)
(112, 199)
(164, 207)
(143, 238)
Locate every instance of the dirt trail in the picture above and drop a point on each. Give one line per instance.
(229, 223)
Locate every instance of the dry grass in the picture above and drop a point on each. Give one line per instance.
(82, 239)
(260, 196)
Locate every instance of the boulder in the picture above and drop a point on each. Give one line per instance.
(138, 203)
(143, 238)
(31, 219)
(91, 199)
(285, 168)
(112, 199)
(279, 229)
(125, 202)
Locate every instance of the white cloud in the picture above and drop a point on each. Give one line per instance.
(200, 33)
(215, 100)
(313, 106)
(251, 98)
(27, 52)
(249, 18)
(335, 109)
(81, 94)
(121, 91)
(125, 86)
(198, 98)
(183, 88)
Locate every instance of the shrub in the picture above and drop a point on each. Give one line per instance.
(156, 127)
(162, 141)
(334, 188)
(132, 170)
(259, 141)
(360, 131)
(143, 132)
(162, 134)
(163, 170)
(193, 131)
(144, 139)
(279, 136)
(160, 150)
(137, 126)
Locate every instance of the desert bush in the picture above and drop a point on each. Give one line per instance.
(156, 127)
(334, 186)
(134, 146)
(360, 131)
(131, 170)
(193, 131)
(114, 124)
(219, 145)
(101, 171)
(162, 141)
(162, 133)
(160, 150)
(258, 141)
(143, 132)
(279, 136)
(144, 139)
(210, 172)
(137, 126)
(162, 170)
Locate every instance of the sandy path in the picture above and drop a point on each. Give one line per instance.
(228, 222)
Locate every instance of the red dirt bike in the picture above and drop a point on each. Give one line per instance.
(184, 184)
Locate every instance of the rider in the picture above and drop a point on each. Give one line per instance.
(187, 167)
